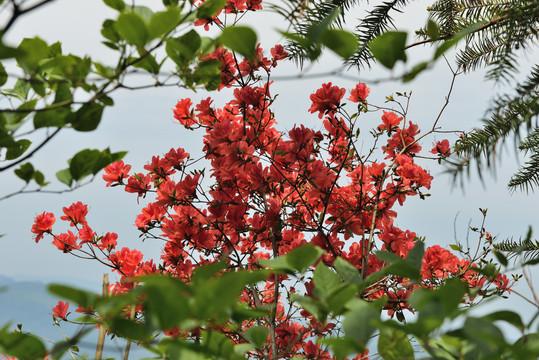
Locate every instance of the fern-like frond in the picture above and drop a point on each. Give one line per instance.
(509, 116)
(373, 24)
(528, 248)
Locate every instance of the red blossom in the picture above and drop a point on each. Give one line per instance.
(359, 93)
(116, 172)
(66, 242)
(441, 148)
(60, 310)
(326, 99)
(183, 112)
(389, 121)
(76, 214)
(43, 224)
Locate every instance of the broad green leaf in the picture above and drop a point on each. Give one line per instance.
(3, 74)
(83, 298)
(508, 316)
(394, 345)
(501, 258)
(63, 92)
(325, 281)
(109, 31)
(166, 301)
(115, 4)
(208, 74)
(416, 70)
(341, 346)
(304, 256)
(184, 48)
(7, 52)
(25, 172)
(82, 164)
(487, 336)
(133, 29)
(32, 51)
(144, 12)
(311, 305)
(433, 31)
(163, 22)
(51, 118)
(127, 328)
(65, 177)
(147, 63)
(209, 8)
(21, 345)
(14, 152)
(257, 335)
(240, 39)
(87, 117)
(39, 178)
(388, 257)
(347, 271)
(389, 47)
(341, 42)
(358, 323)
(16, 118)
(415, 256)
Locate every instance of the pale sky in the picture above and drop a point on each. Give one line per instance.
(141, 123)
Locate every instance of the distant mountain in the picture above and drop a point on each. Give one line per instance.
(28, 303)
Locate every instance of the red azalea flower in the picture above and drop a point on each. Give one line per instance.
(359, 93)
(66, 242)
(76, 214)
(326, 99)
(441, 148)
(60, 310)
(390, 121)
(115, 172)
(43, 224)
(183, 112)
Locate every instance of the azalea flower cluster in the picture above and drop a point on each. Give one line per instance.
(271, 192)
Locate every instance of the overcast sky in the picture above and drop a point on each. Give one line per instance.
(141, 123)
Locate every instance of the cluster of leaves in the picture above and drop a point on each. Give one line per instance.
(49, 91)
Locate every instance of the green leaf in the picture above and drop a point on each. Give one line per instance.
(304, 256)
(3, 74)
(109, 31)
(27, 106)
(133, 29)
(128, 329)
(389, 47)
(21, 146)
(82, 164)
(416, 70)
(39, 178)
(51, 118)
(166, 301)
(501, 258)
(20, 345)
(257, 335)
(7, 52)
(209, 8)
(325, 281)
(115, 4)
(25, 172)
(87, 117)
(240, 39)
(415, 256)
(65, 177)
(31, 52)
(341, 42)
(147, 63)
(163, 22)
(394, 344)
(83, 298)
(347, 271)
(433, 31)
(485, 335)
(508, 316)
(358, 323)
(388, 257)
(341, 346)
(184, 48)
